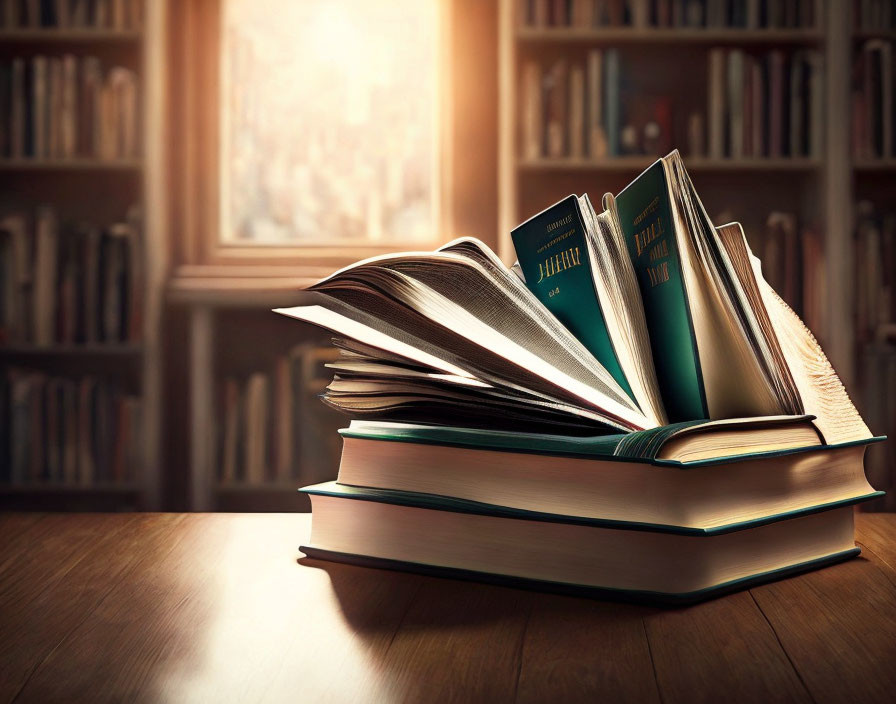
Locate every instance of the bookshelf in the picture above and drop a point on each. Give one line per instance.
(99, 189)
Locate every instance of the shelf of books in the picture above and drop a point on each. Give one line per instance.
(586, 104)
(267, 431)
(80, 112)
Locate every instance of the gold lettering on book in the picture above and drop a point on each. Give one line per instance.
(647, 211)
(658, 274)
(659, 250)
(648, 235)
(560, 223)
(558, 262)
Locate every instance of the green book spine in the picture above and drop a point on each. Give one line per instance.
(553, 255)
(645, 216)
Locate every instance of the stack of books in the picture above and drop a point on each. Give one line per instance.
(629, 411)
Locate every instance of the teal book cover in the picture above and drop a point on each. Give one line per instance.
(645, 216)
(553, 254)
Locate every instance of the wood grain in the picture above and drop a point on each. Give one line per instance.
(74, 560)
(724, 645)
(838, 626)
(458, 642)
(215, 607)
(877, 533)
(578, 650)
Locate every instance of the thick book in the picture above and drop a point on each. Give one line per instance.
(397, 530)
(697, 477)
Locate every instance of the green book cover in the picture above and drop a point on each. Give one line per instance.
(435, 502)
(642, 446)
(553, 255)
(645, 216)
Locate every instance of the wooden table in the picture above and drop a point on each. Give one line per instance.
(222, 607)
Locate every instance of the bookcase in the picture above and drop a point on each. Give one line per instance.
(83, 208)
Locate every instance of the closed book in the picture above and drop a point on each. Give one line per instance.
(576, 112)
(45, 273)
(596, 132)
(5, 108)
(462, 540)
(776, 101)
(69, 110)
(230, 441)
(735, 87)
(716, 108)
(257, 417)
(612, 107)
(705, 477)
(54, 108)
(18, 110)
(532, 111)
(557, 97)
(40, 112)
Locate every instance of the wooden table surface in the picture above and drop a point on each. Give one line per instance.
(223, 607)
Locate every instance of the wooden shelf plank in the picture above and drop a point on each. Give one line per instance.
(245, 488)
(637, 163)
(863, 34)
(57, 487)
(875, 165)
(70, 165)
(94, 350)
(49, 34)
(632, 35)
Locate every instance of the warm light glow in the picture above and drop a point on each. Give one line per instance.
(329, 130)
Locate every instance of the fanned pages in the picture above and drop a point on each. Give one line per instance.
(821, 391)
(642, 319)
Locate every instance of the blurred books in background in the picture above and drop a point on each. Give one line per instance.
(745, 14)
(75, 283)
(71, 14)
(271, 426)
(61, 431)
(67, 107)
(873, 126)
(764, 105)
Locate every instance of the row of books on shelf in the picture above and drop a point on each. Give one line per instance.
(63, 107)
(63, 431)
(874, 15)
(875, 278)
(742, 14)
(873, 123)
(72, 14)
(759, 106)
(792, 255)
(272, 428)
(74, 284)
(768, 105)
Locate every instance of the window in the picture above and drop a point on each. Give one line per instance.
(329, 122)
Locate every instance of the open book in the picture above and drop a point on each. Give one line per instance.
(618, 321)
